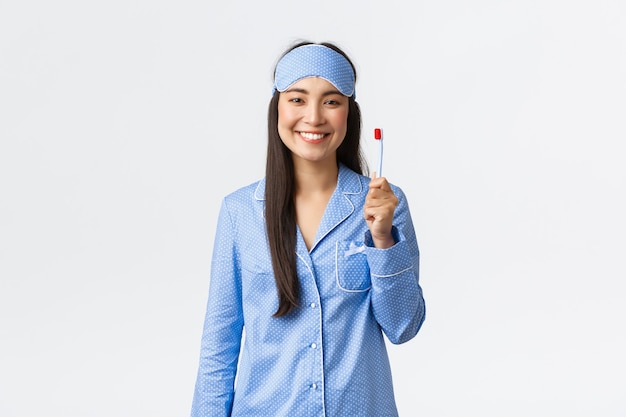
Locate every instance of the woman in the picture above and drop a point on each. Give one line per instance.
(314, 263)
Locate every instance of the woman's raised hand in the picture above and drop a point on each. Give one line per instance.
(380, 204)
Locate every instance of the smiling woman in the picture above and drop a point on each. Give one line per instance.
(312, 118)
(315, 261)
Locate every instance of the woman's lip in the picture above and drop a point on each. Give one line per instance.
(312, 136)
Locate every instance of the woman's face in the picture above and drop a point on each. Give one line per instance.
(312, 120)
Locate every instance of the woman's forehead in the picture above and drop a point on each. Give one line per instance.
(313, 85)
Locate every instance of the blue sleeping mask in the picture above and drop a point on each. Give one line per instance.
(314, 61)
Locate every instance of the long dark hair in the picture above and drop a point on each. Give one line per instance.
(280, 212)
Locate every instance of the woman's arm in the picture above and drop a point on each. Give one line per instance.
(397, 301)
(223, 324)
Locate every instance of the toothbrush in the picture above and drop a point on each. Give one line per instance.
(378, 135)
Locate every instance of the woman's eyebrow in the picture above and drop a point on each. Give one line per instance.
(296, 90)
(304, 91)
(331, 92)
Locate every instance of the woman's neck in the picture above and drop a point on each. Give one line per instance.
(316, 177)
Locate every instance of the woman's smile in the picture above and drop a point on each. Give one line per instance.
(312, 137)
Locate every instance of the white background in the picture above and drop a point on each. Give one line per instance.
(124, 123)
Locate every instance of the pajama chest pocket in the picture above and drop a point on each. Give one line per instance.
(352, 271)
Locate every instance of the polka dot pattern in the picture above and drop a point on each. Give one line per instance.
(328, 358)
(315, 61)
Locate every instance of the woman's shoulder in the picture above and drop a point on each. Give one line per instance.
(247, 194)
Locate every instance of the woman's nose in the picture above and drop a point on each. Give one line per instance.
(314, 115)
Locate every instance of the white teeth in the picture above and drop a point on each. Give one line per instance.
(312, 136)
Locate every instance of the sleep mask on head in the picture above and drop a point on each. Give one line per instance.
(315, 61)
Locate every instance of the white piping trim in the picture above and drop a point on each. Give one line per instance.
(393, 275)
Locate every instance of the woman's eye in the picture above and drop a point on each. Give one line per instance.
(332, 102)
(296, 100)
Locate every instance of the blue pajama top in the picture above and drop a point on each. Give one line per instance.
(327, 357)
